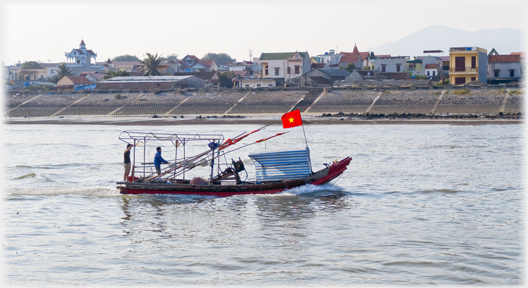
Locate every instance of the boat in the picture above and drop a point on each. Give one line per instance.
(276, 171)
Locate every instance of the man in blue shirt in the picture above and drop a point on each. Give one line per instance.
(158, 160)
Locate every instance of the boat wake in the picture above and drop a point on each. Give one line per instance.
(98, 191)
(309, 189)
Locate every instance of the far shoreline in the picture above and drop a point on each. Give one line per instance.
(249, 119)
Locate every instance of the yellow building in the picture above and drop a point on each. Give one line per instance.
(467, 64)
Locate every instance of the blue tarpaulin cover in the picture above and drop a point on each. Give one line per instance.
(281, 165)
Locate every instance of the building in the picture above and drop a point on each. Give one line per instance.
(94, 77)
(174, 64)
(71, 82)
(128, 66)
(328, 57)
(504, 68)
(359, 59)
(282, 66)
(319, 78)
(467, 64)
(430, 66)
(256, 82)
(80, 60)
(211, 78)
(359, 75)
(151, 83)
(191, 63)
(391, 64)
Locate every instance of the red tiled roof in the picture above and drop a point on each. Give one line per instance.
(355, 52)
(504, 58)
(207, 63)
(193, 57)
(518, 53)
(364, 55)
(79, 80)
(349, 58)
(82, 42)
(431, 66)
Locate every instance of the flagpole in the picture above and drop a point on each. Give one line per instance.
(305, 141)
(307, 149)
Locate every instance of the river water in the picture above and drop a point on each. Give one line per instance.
(418, 205)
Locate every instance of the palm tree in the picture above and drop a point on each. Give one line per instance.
(116, 74)
(63, 71)
(150, 64)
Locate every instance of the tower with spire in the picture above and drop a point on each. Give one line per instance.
(81, 57)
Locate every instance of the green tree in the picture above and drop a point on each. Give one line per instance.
(172, 56)
(63, 71)
(125, 58)
(31, 65)
(116, 74)
(350, 67)
(220, 58)
(150, 64)
(226, 79)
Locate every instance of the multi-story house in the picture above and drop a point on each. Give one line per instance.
(328, 57)
(351, 58)
(191, 63)
(80, 60)
(282, 66)
(504, 68)
(467, 64)
(174, 64)
(430, 66)
(360, 59)
(391, 64)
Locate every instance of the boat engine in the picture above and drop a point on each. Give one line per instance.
(238, 165)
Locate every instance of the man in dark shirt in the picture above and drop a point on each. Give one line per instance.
(127, 161)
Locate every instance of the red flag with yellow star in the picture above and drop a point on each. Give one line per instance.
(291, 119)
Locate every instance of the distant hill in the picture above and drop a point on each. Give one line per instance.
(438, 37)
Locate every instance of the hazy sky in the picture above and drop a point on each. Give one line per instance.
(38, 31)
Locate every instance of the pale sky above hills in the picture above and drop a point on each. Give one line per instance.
(37, 31)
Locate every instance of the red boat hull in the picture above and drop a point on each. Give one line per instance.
(321, 177)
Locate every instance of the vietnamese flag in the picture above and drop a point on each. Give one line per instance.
(291, 119)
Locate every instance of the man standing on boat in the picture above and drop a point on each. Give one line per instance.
(158, 160)
(127, 161)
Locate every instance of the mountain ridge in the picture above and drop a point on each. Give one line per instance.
(440, 37)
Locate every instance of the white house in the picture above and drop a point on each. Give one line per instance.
(282, 66)
(80, 60)
(256, 82)
(329, 57)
